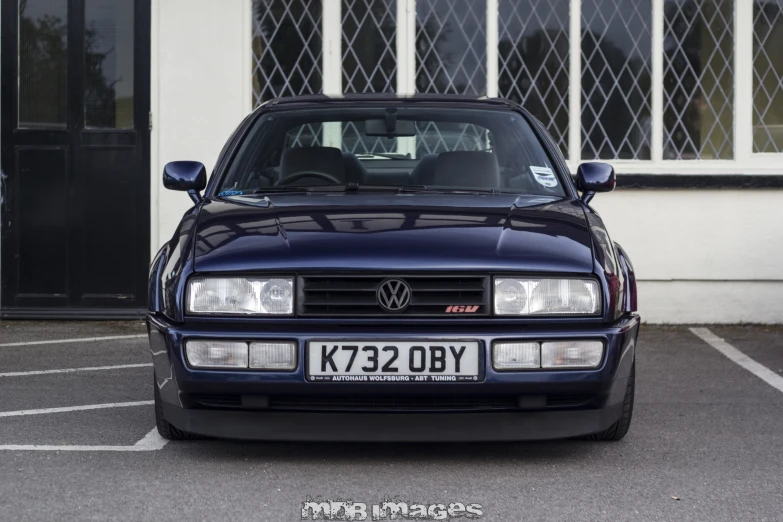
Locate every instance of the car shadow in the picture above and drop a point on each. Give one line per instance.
(483, 452)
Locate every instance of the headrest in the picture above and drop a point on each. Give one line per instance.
(328, 160)
(424, 171)
(474, 169)
(354, 170)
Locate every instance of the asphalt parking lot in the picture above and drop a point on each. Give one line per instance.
(706, 443)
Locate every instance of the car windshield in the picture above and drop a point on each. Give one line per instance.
(416, 149)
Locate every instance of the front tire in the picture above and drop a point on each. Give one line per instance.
(619, 429)
(165, 428)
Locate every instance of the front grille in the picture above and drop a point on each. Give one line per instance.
(219, 401)
(431, 295)
(392, 403)
(564, 401)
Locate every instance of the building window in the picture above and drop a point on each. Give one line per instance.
(698, 85)
(435, 137)
(287, 48)
(108, 64)
(616, 75)
(451, 47)
(768, 76)
(43, 63)
(369, 63)
(533, 60)
(637, 82)
(368, 46)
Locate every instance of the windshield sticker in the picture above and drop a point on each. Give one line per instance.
(544, 176)
(230, 193)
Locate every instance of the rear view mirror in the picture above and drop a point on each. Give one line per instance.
(389, 129)
(594, 177)
(189, 176)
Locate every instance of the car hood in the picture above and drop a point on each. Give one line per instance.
(399, 232)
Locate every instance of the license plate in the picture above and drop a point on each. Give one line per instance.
(393, 361)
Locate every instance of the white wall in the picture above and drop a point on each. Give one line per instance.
(702, 256)
(201, 89)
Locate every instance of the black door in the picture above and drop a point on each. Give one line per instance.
(75, 157)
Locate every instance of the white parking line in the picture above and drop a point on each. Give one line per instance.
(22, 413)
(71, 370)
(152, 441)
(759, 370)
(81, 340)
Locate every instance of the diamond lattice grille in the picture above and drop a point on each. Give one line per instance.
(698, 90)
(616, 72)
(369, 62)
(768, 76)
(287, 48)
(451, 47)
(533, 60)
(369, 45)
(355, 140)
(436, 137)
(307, 135)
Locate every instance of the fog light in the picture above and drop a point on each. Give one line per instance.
(572, 354)
(516, 356)
(273, 356)
(216, 354)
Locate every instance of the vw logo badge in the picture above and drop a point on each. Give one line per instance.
(394, 295)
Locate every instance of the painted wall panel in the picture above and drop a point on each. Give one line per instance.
(201, 91)
(711, 302)
(698, 234)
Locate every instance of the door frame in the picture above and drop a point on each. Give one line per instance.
(8, 128)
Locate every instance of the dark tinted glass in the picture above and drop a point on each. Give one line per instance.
(451, 47)
(369, 45)
(287, 48)
(698, 79)
(108, 63)
(43, 63)
(616, 73)
(768, 76)
(533, 60)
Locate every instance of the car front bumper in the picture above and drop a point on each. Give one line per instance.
(540, 413)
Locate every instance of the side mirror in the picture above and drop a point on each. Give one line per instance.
(190, 176)
(594, 177)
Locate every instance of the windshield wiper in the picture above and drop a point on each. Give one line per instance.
(347, 188)
(387, 155)
(300, 190)
(400, 189)
(416, 189)
(362, 187)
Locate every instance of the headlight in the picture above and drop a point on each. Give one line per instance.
(533, 355)
(546, 296)
(572, 354)
(276, 355)
(216, 354)
(241, 296)
(516, 355)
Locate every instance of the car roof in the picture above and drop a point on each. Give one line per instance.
(402, 99)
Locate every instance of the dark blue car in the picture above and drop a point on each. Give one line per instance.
(382, 268)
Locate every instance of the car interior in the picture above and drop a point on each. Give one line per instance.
(482, 161)
(317, 165)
